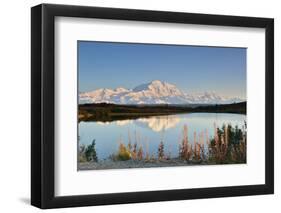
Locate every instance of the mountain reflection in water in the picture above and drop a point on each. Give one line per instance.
(152, 130)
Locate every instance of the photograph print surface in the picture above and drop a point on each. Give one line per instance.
(160, 105)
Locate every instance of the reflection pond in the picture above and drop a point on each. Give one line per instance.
(150, 131)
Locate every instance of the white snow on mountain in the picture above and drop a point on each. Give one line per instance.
(155, 92)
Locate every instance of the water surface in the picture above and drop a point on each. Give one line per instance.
(149, 132)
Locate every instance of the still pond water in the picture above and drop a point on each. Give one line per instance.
(149, 132)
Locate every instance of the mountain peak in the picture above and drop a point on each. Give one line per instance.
(156, 82)
(159, 88)
(149, 86)
(121, 89)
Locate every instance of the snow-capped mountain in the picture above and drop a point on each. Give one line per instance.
(155, 92)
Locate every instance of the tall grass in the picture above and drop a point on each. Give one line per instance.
(228, 145)
(161, 154)
(185, 149)
(131, 151)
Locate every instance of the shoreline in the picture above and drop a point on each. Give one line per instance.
(109, 164)
(111, 112)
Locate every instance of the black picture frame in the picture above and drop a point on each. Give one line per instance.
(43, 110)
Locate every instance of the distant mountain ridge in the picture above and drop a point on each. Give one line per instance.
(155, 92)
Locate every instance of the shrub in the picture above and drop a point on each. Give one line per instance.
(161, 151)
(123, 153)
(228, 145)
(90, 152)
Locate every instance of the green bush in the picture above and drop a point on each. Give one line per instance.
(90, 152)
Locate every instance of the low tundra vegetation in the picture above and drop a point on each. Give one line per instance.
(88, 153)
(228, 145)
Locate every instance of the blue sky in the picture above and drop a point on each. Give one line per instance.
(190, 68)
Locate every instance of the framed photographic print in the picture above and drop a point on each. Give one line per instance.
(140, 106)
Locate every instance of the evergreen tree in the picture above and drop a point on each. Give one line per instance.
(90, 152)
